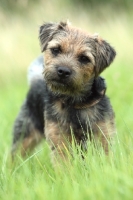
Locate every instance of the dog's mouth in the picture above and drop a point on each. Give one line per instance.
(59, 81)
(59, 85)
(62, 86)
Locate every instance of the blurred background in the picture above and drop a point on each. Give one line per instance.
(19, 45)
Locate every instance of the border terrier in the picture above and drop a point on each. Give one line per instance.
(68, 99)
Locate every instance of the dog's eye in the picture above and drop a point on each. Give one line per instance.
(84, 59)
(55, 51)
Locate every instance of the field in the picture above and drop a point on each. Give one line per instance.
(98, 177)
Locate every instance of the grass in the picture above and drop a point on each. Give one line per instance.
(98, 177)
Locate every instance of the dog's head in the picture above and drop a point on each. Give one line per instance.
(73, 58)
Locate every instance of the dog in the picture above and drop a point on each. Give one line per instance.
(69, 98)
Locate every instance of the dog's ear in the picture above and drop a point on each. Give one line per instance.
(47, 31)
(105, 54)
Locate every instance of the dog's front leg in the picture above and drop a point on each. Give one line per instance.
(59, 141)
(105, 131)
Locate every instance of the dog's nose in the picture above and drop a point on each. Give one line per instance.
(63, 72)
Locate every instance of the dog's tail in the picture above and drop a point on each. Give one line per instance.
(35, 70)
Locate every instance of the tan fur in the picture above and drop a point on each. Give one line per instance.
(72, 46)
(104, 132)
(30, 142)
(59, 141)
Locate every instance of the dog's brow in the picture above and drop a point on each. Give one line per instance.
(90, 55)
(53, 43)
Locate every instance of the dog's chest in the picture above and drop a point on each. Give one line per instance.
(67, 116)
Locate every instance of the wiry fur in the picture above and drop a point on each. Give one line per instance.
(57, 106)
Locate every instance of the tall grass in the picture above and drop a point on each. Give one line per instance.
(98, 176)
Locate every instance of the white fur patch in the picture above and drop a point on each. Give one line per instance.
(35, 70)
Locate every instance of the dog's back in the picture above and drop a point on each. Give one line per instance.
(29, 124)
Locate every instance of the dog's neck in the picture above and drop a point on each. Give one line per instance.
(91, 99)
(87, 99)
(95, 94)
